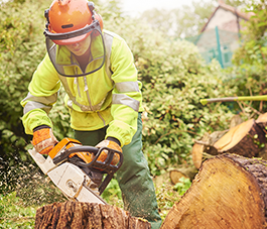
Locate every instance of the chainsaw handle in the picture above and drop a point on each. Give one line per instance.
(94, 164)
(65, 154)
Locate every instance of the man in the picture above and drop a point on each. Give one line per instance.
(96, 68)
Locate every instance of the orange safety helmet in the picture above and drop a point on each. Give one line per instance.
(71, 21)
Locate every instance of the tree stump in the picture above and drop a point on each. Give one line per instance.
(244, 139)
(78, 215)
(229, 192)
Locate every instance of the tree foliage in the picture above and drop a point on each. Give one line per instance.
(250, 60)
(174, 78)
(20, 47)
(173, 74)
(253, 50)
(186, 21)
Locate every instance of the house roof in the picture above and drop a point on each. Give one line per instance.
(232, 9)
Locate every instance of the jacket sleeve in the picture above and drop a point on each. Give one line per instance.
(126, 95)
(42, 95)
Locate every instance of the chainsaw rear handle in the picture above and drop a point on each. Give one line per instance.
(106, 166)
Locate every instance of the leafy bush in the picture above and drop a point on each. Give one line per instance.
(183, 185)
(22, 47)
(172, 72)
(174, 78)
(250, 60)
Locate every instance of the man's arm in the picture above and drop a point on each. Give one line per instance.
(42, 95)
(126, 96)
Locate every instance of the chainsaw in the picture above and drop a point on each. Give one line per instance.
(69, 175)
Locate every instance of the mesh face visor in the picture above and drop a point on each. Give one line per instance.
(64, 60)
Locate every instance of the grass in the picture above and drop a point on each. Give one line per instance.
(17, 211)
(14, 214)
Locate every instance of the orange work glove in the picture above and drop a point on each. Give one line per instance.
(43, 139)
(112, 145)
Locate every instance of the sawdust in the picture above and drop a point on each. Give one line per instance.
(28, 181)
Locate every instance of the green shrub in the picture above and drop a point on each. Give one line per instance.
(174, 79)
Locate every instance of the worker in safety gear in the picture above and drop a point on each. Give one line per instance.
(97, 71)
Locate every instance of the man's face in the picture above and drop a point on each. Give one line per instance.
(79, 48)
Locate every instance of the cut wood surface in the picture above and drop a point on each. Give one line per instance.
(78, 215)
(204, 157)
(197, 153)
(229, 192)
(243, 139)
(205, 146)
(186, 172)
(162, 179)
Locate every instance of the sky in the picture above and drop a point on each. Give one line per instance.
(136, 7)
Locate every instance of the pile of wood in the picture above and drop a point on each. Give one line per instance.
(247, 139)
(230, 188)
(230, 191)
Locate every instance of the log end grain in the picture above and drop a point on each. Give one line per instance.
(244, 139)
(224, 194)
(197, 152)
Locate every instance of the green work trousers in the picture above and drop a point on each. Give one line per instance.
(134, 178)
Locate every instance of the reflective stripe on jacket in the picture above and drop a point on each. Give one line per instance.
(111, 96)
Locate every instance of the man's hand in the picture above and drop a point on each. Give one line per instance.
(112, 145)
(43, 139)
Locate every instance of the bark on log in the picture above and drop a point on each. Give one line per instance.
(78, 215)
(229, 192)
(244, 139)
(263, 153)
(220, 142)
(186, 172)
(262, 122)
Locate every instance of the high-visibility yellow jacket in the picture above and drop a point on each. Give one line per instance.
(110, 96)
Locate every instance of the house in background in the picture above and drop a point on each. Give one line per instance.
(219, 37)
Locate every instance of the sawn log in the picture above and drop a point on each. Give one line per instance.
(246, 139)
(229, 192)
